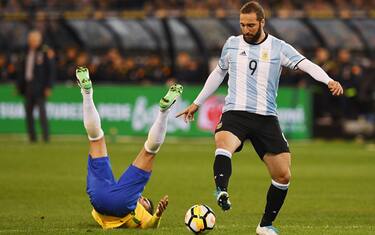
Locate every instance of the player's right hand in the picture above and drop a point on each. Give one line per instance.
(189, 113)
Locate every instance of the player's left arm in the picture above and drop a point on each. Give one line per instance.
(320, 75)
(154, 221)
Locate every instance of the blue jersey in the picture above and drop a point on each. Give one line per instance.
(254, 72)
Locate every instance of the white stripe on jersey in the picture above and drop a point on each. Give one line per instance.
(262, 78)
(242, 64)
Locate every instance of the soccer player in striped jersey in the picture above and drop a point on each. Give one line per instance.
(254, 61)
(120, 204)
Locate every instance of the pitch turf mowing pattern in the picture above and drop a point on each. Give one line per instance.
(42, 187)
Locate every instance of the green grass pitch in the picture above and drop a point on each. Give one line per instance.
(42, 187)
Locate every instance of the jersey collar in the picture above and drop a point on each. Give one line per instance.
(264, 39)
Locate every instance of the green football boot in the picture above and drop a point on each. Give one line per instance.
(83, 77)
(170, 98)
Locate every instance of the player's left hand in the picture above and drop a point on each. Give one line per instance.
(162, 205)
(335, 88)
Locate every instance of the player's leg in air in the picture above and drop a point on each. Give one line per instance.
(120, 204)
(226, 144)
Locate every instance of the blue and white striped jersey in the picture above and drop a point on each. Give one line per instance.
(254, 72)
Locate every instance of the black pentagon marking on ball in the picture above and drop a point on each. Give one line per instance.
(208, 212)
(192, 210)
(209, 209)
(205, 215)
(191, 229)
(190, 219)
(204, 223)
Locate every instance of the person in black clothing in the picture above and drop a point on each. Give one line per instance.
(349, 73)
(34, 82)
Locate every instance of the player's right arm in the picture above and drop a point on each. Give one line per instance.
(212, 83)
(154, 220)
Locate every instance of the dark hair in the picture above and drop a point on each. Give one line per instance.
(253, 7)
(151, 208)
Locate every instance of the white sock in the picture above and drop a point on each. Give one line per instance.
(91, 119)
(157, 133)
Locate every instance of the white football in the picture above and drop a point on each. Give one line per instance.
(200, 219)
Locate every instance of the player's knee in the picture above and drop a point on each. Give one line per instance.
(283, 178)
(224, 143)
(221, 144)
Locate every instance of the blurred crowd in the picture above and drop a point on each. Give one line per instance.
(113, 67)
(354, 71)
(210, 5)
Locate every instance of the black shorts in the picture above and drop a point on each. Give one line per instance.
(264, 132)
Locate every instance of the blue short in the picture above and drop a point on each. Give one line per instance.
(109, 197)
